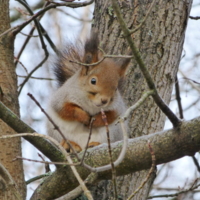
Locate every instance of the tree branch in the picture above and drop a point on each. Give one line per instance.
(20, 127)
(178, 97)
(193, 187)
(167, 145)
(29, 37)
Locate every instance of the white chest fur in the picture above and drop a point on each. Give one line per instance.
(79, 133)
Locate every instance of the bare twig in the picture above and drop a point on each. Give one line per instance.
(195, 18)
(1, 93)
(37, 24)
(47, 168)
(29, 75)
(29, 35)
(125, 144)
(18, 28)
(64, 152)
(28, 38)
(55, 142)
(38, 78)
(37, 161)
(90, 133)
(153, 167)
(81, 182)
(190, 81)
(196, 163)
(192, 104)
(55, 126)
(77, 191)
(136, 105)
(16, 15)
(79, 19)
(17, 60)
(137, 144)
(19, 126)
(158, 100)
(37, 178)
(176, 194)
(98, 169)
(178, 97)
(103, 57)
(40, 161)
(104, 118)
(24, 45)
(166, 168)
(120, 157)
(42, 43)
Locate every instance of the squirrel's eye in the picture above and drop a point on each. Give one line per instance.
(93, 81)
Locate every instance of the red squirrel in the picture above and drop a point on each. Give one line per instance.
(83, 91)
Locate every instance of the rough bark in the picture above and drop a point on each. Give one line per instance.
(160, 42)
(9, 149)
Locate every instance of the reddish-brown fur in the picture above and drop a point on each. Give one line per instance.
(93, 144)
(111, 116)
(76, 147)
(72, 112)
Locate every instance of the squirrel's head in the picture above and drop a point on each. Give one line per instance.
(100, 81)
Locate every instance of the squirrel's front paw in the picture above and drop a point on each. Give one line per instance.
(75, 146)
(93, 144)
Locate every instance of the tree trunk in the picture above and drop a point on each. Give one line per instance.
(160, 41)
(9, 148)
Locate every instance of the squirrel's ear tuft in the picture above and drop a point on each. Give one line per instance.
(91, 49)
(123, 64)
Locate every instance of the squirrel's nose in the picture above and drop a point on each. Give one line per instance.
(104, 101)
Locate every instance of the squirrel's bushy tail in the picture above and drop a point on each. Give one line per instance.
(63, 67)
